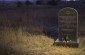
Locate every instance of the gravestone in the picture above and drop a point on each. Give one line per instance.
(67, 27)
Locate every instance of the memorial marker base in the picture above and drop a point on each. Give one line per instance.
(67, 44)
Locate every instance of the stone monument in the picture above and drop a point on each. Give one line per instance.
(67, 27)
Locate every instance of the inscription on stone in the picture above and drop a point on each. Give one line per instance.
(68, 23)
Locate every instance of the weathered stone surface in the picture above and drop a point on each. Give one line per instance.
(68, 23)
(67, 28)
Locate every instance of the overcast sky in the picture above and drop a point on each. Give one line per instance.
(24, 0)
(18, 0)
(35, 0)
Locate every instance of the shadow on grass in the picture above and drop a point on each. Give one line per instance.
(51, 33)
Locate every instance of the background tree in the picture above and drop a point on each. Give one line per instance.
(39, 2)
(53, 2)
(19, 4)
(3, 3)
(28, 3)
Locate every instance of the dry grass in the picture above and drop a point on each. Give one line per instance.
(14, 42)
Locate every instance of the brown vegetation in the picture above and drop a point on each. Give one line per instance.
(18, 42)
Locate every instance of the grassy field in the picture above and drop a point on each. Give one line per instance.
(18, 42)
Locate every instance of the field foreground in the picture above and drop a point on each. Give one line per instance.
(20, 43)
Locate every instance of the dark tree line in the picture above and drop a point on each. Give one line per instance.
(39, 2)
(20, 4)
